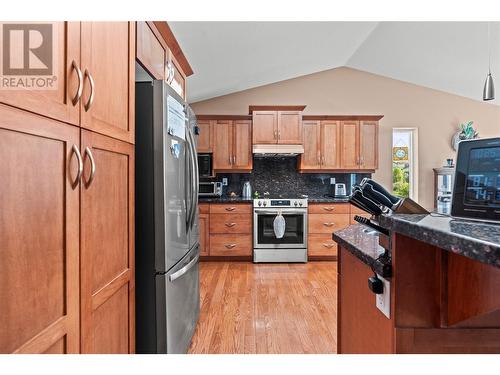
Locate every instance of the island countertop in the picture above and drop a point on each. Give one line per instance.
(473, 239)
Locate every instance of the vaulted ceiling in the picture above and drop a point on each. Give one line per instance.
(232, 56)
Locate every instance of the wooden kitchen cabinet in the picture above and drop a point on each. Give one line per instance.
(56, 104)
(359, 145)
(311, 158)
(349, 156)
(321, 146)
(107, 246)
(39, 226)
(277, 127)
(368, 144)
(205, 137)
(231, 245)
(232, 147)
(108, 66)
(149, 50)
(204, 225)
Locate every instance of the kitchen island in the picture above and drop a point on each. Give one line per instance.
(443, 280)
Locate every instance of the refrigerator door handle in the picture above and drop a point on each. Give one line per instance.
(194, 180)
(184, 269)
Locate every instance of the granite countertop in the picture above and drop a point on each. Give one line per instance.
(364, 246)
(327, 200)
(473, 239)
(238, 199)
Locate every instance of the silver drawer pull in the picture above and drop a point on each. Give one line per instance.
(79, 91)
(328, 208)
(329, 224)
(230, 225)
(328, 245)
(231, 245)
(230, 208)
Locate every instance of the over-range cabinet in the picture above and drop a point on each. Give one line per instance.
(67, 199)
(167, 233)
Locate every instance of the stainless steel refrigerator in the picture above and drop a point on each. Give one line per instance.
(167, 237)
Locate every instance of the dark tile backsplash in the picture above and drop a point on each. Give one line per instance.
(279, 177)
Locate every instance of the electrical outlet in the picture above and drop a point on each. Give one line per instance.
(224, 181)
(383, 301)
(332, 180)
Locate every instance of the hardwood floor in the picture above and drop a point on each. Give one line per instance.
(267, 308)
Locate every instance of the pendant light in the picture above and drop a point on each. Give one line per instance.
(489, 87)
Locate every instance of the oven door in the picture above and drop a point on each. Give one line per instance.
(295, 229)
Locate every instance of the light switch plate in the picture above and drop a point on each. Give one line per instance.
(332, 180)
(383, 301)
(224, 181)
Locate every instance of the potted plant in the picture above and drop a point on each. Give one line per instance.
(466, 131)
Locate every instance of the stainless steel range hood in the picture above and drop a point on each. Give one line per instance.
(277, 150)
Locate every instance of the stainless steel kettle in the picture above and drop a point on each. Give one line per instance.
(247, 190)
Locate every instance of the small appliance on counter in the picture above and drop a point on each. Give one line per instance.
(443, 188)
(247, 190)
(340, 191)
(476, 194)
(210, 189)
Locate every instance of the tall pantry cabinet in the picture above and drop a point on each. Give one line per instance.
(67, 199)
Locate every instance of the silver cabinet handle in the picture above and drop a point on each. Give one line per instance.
(184, 269)
(230, 208)
(275, 133)
(323, 160)
(329, 224)
(167, 72)
(328, 208)
(234, 160)
(319, 158)
(92, 165)
(76, 151)
(92, 90)
(328, 245)
(230, 225)
(231, 245)
(80, 83)
(173, 74)
(362, 160)
(279, 134)
(230, 160)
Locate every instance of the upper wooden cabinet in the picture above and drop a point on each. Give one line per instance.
(232, 149)
(321, 146)
(149, 50)
(359, 145)
(62, 102)
(205, 137)
(108, 64)
(282, 127)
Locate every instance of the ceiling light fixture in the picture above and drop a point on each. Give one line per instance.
(489, 87)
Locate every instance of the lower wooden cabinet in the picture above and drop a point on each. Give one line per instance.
(107, 245)
(321, 245)
(39, 229)
(231, 244)
(204, 225)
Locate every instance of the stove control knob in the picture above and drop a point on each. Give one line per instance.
(260, 203)
(300, 204)
(265, 203)
(295, 204)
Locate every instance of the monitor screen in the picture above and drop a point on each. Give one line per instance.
(483, 177)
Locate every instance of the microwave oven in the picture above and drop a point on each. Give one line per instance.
(476, 194)
(210, 189)
(205, 165)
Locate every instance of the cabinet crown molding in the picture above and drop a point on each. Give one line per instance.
(253, 108)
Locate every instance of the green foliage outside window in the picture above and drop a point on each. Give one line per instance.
(400, 180)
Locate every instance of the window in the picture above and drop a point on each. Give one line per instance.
(404, 162)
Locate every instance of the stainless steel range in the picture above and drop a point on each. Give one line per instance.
(290, 246)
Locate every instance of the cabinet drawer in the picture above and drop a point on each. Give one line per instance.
(321, 245)
(238, 208)
(326, 223)
(204, 208)
(231, 245)
(329, 208)
(230, 223)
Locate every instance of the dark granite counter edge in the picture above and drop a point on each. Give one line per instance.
(245, 200)
(370, 255)
(473, 248)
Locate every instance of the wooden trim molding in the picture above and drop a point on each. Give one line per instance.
(253, 108)
(224, 117)
(342, 117)
(173, 45)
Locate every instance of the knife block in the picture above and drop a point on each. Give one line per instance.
(409, 206)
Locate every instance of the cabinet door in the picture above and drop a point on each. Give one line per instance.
(289, 127)
(108, 55)
(242, 146)
(265, 127)
(150, 52)
(204, 143)
(368, 144)
(223, 142)
(311, 157)
(39, 221)
(54, 103)
(330, 142)
(107, 246)
(349, 157)
(204, 234)
(178, 80)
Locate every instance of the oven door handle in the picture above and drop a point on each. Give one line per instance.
(283, 212)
